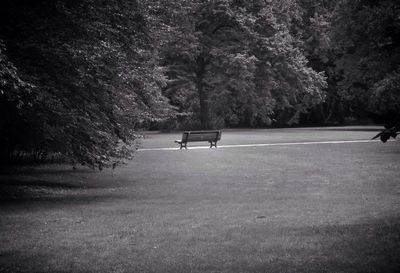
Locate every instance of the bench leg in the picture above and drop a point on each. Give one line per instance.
(213, 144)
(184, 145)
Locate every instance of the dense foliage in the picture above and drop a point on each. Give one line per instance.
(78, 78)
(235, 63)
(366, 37)
(89, 77)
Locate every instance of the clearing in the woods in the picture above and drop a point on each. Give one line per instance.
(263, 201)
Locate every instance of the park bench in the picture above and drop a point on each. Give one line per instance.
(194, 136)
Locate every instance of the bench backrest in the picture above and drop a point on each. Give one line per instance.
(188, 136)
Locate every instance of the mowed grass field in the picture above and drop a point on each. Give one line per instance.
(322, 207)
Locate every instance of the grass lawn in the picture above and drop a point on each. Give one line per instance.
(289, 208)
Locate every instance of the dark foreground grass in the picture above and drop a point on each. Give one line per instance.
(315, 208)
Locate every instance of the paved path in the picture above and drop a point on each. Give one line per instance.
(266, 145)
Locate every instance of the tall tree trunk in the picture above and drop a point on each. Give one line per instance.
(203, 95)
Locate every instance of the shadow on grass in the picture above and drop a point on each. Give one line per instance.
(40, 183)
(373, 246)
(24, 195)
(56, 201)
(44, 170)
(8, 264)
(54, 177)
(15, 191)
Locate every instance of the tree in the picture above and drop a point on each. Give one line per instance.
(15, 103)
(237, 63)
(92, 77)
(366, 35)
(284, 71)
(314, 31)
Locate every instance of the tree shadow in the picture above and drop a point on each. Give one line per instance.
(44, 170)
(16, 190)
(55, 177)
(32, 201)
(41, 183)
(373, 246)
(15, 198)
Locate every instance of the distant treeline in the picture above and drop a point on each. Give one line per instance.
(78, 78)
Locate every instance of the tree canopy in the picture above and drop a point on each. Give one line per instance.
(89, 78)
(239, 64)
(79, 78)
(366, 37)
